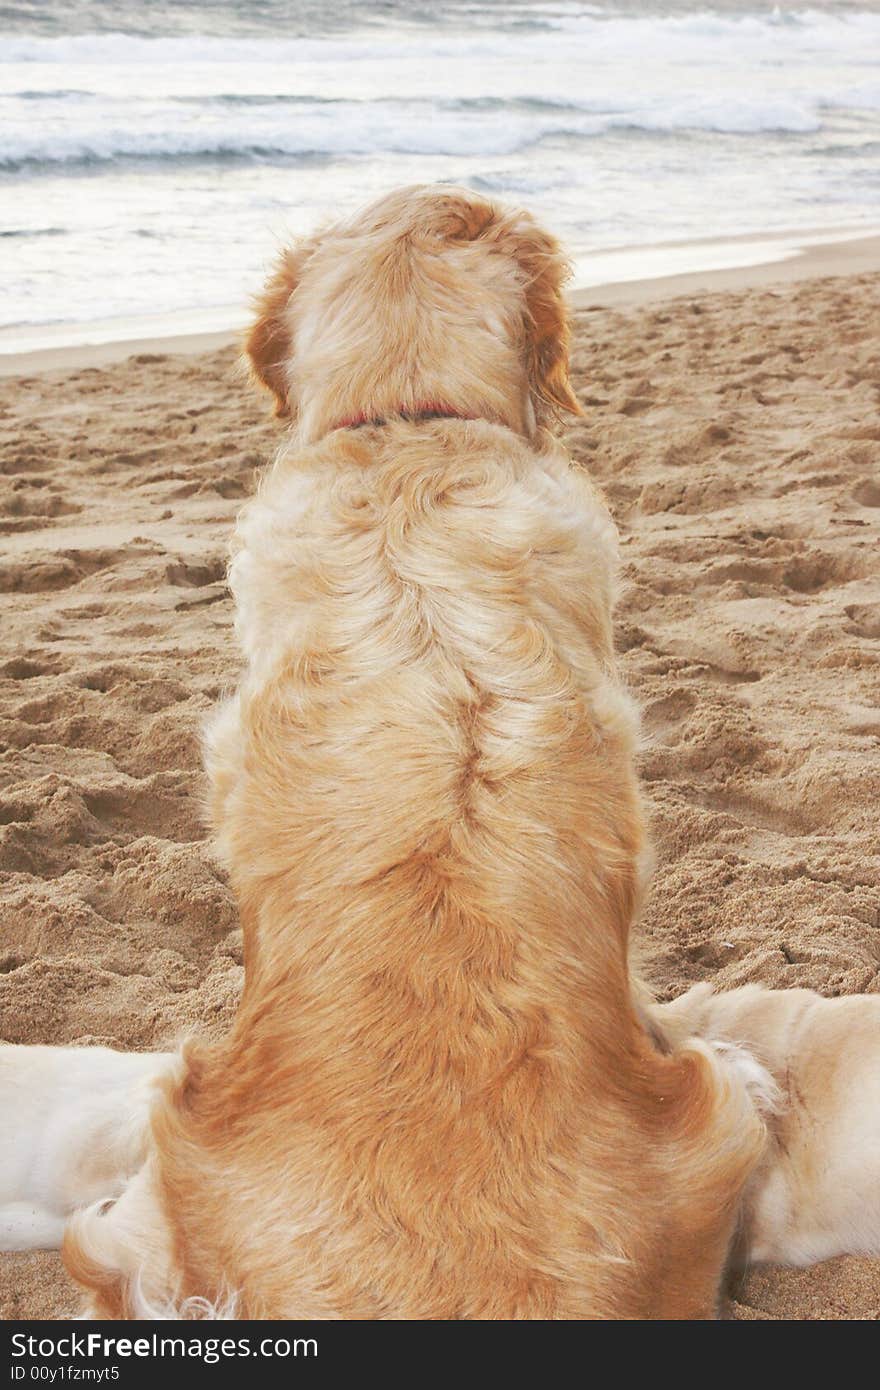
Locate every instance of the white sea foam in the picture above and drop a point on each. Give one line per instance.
(94, 131)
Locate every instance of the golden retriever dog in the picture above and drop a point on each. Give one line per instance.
(441, 1097)
(816, 1193)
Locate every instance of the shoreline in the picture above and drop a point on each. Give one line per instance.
(734, 263)
(809, 261)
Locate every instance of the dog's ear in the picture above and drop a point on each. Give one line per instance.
(268, 344)
(458, 215)
(547, 331)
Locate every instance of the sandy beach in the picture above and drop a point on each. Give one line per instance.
(733, 423)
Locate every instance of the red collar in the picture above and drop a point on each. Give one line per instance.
(423, 410)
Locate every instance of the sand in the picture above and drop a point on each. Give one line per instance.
(738, 438)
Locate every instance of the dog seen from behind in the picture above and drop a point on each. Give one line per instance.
(443, 1095)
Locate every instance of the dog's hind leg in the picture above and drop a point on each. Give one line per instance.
(75, 1128)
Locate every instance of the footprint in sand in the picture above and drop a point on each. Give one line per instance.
(755, 813)
(28, 458)
(805, 573)
(36, 574)
(688, 496)
(809, 573)
(187, 574)
(867, 494)
(29, 505)
(864, 619)
(23, 669)
(691, 446)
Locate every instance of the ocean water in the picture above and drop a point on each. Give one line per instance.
(154, 155)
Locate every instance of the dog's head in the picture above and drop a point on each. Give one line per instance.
(431, 294)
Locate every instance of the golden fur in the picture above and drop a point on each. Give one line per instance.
(439, 1098)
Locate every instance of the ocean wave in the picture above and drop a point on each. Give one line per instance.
(718, 112)
(602, 34)
(302, 18)
(345, 129)
(32, 232)
(84, 159)
(862, 150)
(51, 94)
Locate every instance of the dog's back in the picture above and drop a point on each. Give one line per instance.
(428, 797)
(436, 1101)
